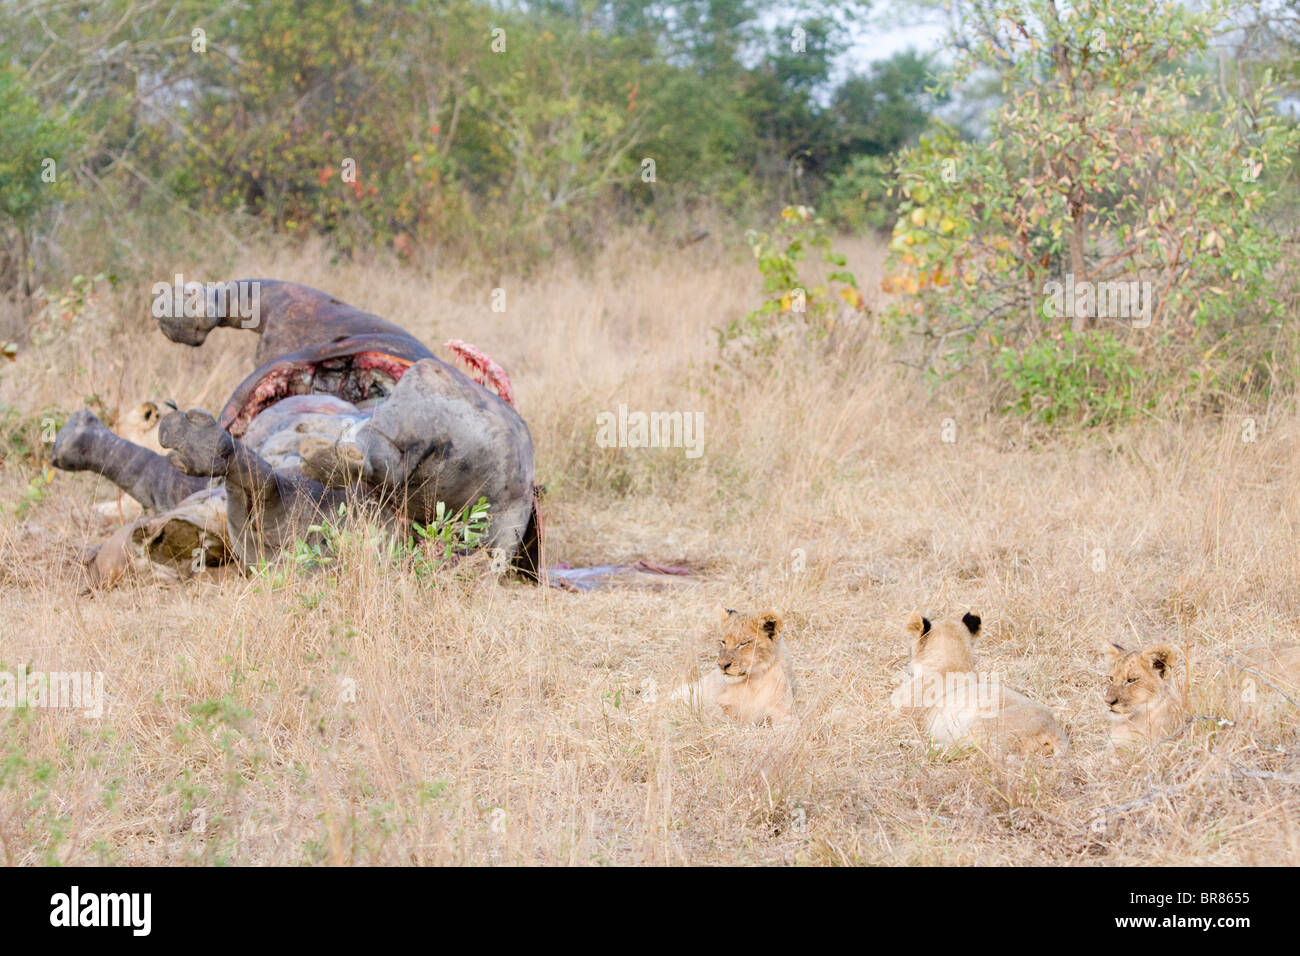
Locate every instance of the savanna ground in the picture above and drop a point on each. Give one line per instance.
(505, 723)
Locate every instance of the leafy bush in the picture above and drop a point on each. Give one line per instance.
(1112, 159)
(451, 534)
(434, 546)
(34, 151)
(860, 196)
(509, 129)
(1084, 379)
(793, 301)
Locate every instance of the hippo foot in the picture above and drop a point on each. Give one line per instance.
(74, 446)
(199, 445)
(187, 330)
(333, 464)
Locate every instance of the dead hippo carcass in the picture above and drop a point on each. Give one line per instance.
(342, 405)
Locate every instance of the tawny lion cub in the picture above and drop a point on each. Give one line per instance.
(952, 705)
(1145, 689)
(1144, 693)
(754, 679)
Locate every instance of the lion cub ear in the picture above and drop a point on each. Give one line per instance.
(972, 622)
(1160, 659)
(1112, 651)
(724, 613)
(770, 622)
(917, 625)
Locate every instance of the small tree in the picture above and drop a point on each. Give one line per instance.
(34, 151)
(798, 299)
(1112, 159)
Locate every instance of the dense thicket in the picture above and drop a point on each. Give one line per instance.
(438, 120)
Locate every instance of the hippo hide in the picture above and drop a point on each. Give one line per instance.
(342, 405)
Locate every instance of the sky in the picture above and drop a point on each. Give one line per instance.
(886, 32)
(874, 42)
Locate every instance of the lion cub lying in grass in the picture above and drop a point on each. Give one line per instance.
(1145, 694)
(952, 705)
(754, 679)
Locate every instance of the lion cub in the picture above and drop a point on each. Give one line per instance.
(754, 679)
(1143, 692)
(951, 704)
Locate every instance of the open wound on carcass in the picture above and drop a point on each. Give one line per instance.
(363, 380)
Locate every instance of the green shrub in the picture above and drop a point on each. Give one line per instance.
(1083, 379)
(34, 159)
(796, 300)
(1114, 158)
(860, 196)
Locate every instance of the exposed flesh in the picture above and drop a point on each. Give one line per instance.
(363, 380)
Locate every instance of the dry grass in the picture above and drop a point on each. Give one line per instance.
(505, 723)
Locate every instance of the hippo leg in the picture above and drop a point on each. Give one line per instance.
(335, 464)
(266, 510)
(85, 443)
(219, 308)
(528, 559)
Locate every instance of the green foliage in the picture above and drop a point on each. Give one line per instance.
(875, 115)
(1112, 158)
(34, 493)
(29, 141)
(24, 441)
(458, 533)
(1085, 379)
(25, 437)
(860, 196)
(35, 149)
(433, 547)
(793, 301)
(510, 130)
(886, 108)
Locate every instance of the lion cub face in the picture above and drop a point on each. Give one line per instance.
(140, 425)
(943, 647)
(747, 646)
(754, 680)
(1138, 679)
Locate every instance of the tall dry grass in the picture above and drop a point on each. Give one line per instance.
(354, 716)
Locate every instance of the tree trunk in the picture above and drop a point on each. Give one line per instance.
(24, 277)
(1078, 264)
(1072, 163)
